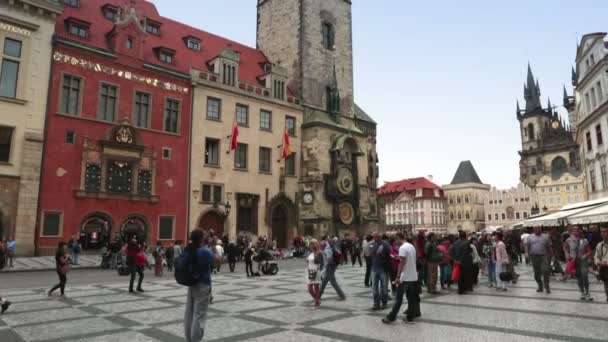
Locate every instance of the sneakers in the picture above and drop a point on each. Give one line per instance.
(139, 289)
(386, 321)
(376, 308)
(583, 296)
(5, 306)
(548, 290)
(540, 289)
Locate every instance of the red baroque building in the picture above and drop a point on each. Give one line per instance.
(118, 128)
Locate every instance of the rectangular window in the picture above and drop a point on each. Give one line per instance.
(242, 115)
(517, 216)
(165, 57)
(504, 216)
(604, 179)
(153, 28)
(489, 217)
(107, 102)
(327, 30)
(9, 70)
(265, 120)
(214, 107)
(167, 153)
(72, 3)
(525, 214)
(598, 134)
(588, 102)
(600, 93)
(70, 137)
(279, 89)
(194, 44)
(171, 122)
(6, 141)
(70, 95)
(212, 152)
(290, 165)
(211, 193)
(265, 158)
(588, 138)
(290, 123)
(92, 178)
(592, 179)
(496, 217)
(144, 182)
(141, 117)
(78, 30)
(240, 156)
(52, 221)
(110, 13)
(165, 228)
(229, 74)
(593, 97)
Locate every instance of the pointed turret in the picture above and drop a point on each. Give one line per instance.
(549, 106)
(566, 97)
(574, 77)
(518, 110)
(531, 92)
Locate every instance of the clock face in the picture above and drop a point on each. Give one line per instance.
(308, 198)
(346, 212)
(345, 181)
(555, 124)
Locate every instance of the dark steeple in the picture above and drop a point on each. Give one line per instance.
(566, 98)
(532, 93)
(466, 174)
(574, 77)
(549, 107)
(517, 110)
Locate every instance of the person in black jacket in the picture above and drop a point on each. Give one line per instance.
(170, 256)
(233, 254)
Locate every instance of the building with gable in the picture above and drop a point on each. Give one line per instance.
(466, 195)
(506, 207)
(26, 32)
(415, 203)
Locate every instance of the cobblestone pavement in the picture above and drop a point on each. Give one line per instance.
(23, 264)
(277, 309)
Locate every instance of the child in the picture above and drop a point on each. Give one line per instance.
(4, 304)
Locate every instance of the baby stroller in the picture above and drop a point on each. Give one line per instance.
(268, 268)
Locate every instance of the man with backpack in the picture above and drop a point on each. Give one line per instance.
(381, 266)
(433, 257)
(193, 269)
(332, 258)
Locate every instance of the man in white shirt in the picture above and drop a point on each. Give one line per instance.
(407, 278)
(524, 241)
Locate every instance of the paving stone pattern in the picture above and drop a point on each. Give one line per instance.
(22, 264)
(278, 309)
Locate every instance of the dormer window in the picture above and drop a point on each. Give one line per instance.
(77, 28)
(165, 57)
(279, 89)
(72, 3)
(110, 12)
(129, 43)
(328, 35)
(228, 74)
(153, 27)
(193, 43)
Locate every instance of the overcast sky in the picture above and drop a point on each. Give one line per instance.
(441, 77)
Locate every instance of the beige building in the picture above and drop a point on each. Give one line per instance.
(26, 31)
(257, 185)
(553, 194)
(466, 194)
(507, 207)
(418, 212)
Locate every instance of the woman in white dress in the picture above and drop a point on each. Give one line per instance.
(313, 272)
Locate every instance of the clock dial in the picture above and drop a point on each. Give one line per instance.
(308, 198)
(345, 181)
(346, 212)
(555, 124)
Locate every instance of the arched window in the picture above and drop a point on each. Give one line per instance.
(452, 216)
(328, 35)
(531, 131)
(459, 216)
(558, 167)
(467, 216)
(466, 198)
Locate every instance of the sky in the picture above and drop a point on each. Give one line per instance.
(441, 77)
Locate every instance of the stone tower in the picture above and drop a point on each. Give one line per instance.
(312, 40)
(548, 146)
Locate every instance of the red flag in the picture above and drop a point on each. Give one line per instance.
(234, 137)
(286, 147)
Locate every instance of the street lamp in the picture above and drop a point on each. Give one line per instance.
(227, 208)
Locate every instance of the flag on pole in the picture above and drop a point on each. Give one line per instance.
(285, 146)
(234, 136)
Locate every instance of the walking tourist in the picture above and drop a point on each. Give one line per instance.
(356, 251)
(330, 264)
(502, 260)
(170, 256)
(601, 259)
(408, 283)
(538, 250)
(158, 255)
(345, 248)
(381, 265)
(445, 265)
(62, 267)
(115, 248)
(77, 249)
(315, 265)
(420, 245)
(476, 260)
(11, 247)
(433, 257)
(136, 261)
(366, 247)
(199, 294)
(524, 243)
(4, 304)
(249, 255)
(219, 253)
(578, 251)
(233, 252)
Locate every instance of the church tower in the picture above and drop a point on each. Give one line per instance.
(312, 41)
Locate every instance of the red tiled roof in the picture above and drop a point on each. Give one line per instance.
(407, 185)
(171, 36)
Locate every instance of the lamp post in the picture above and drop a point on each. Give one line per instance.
(227, 208)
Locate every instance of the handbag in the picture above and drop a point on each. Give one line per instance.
(571, 267)
(456, 272)
(312, 274)
(505, 276)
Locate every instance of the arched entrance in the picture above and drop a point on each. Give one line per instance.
(279, 225)
(135, 226)
(212, 220)
(95, 231)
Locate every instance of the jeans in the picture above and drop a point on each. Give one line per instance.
(582, 275)
(380, 287)
(431, 280)
(446, 274)
(330, 276)
(75, 258)
(196, 312)
(368, 269)
(492, 273)
(113, 260)
(249, 267)
(139, 270)
(11, 257)
(541, 270)
(412, 294)
(61, 286)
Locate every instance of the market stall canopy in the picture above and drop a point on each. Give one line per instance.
(555, 219)
(596, 215)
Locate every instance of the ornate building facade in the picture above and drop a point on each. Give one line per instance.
(548, 144)
(466, 195)
(312, 40)
(26, 32)
(508, 207)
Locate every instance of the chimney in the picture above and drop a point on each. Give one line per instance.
(429, 177)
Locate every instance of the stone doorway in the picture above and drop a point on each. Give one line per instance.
(135, 226)
(95, 231)
(279, 226)
(214, 221)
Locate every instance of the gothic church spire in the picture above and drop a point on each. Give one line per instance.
(531, 92)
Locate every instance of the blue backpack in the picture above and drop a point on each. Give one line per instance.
(186, 270)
